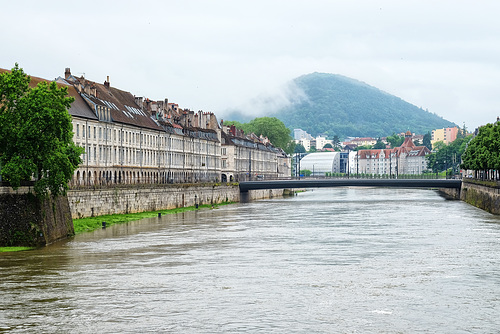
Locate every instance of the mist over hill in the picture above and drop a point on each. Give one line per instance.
(332, 104)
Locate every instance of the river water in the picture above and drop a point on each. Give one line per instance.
(345, 260)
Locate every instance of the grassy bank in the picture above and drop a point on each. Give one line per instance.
(14, 249)
(94, 223)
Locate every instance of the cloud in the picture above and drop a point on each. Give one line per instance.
(271, 101)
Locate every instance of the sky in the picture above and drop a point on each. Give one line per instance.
(218, 55)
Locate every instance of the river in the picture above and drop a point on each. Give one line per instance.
(345, 260)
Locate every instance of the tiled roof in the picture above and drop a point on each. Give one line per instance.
(121, 104)
(78, 108)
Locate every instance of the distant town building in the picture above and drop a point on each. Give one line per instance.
(364, 141)
(446, 135)
(299, 134)
(304, 142)
(406, 159)
(321, 142)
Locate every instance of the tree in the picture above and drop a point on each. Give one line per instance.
(336, 141)
(426, 141)
(36, 134)
(379, 144)
(363, 147)
(446, 156)
(269, 127)
(328, 145)
(395, 140)
(299, 148)
(305, 172)
(483, 151)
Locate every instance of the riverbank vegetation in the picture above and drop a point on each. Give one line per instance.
(90, 224)
(483, 153)
(14, 249)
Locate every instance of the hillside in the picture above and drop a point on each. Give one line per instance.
(337, 105)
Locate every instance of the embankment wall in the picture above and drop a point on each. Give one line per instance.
(97, 202)
(486, 197)
(26, 220)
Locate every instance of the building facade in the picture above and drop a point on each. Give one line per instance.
(133, 140)
(446, 135)
(406, 159)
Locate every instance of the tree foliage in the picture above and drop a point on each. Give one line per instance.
(395, 140)
(426, 141)
(336, 141)
(379, 144)
(446, 156)
(269, 127)
(483, 151)
(299, 148)
(36, 134)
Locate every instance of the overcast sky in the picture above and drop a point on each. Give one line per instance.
(214, 55)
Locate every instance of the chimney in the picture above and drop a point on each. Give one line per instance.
(106, 83)
(67, 73)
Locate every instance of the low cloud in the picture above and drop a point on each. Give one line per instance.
(270, 102)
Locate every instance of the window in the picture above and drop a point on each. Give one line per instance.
(78, 130)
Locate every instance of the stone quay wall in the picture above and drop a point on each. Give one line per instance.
(26, 220)
(483, 196)
(119, 200)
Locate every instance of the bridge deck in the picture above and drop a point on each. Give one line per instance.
(305, 183)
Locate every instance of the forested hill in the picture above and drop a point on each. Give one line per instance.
(337, 105)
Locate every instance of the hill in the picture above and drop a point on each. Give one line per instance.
(338, 105)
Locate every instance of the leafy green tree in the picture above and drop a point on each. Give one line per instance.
(269, 127)
(305, 172)
(483, 151)
(363, 147)
(299, 148)
(379, 144)
(395, 140)
(238, 125)
(447, 157)
(426, 141)
(328, 145)
(336, 141)
(36, 134)
(313, 149)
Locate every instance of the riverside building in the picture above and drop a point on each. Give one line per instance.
(132, 140)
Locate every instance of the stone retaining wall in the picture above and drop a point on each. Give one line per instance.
(97, 202)
(26, 220)
(483, 197)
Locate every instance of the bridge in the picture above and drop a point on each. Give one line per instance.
(328, 183)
